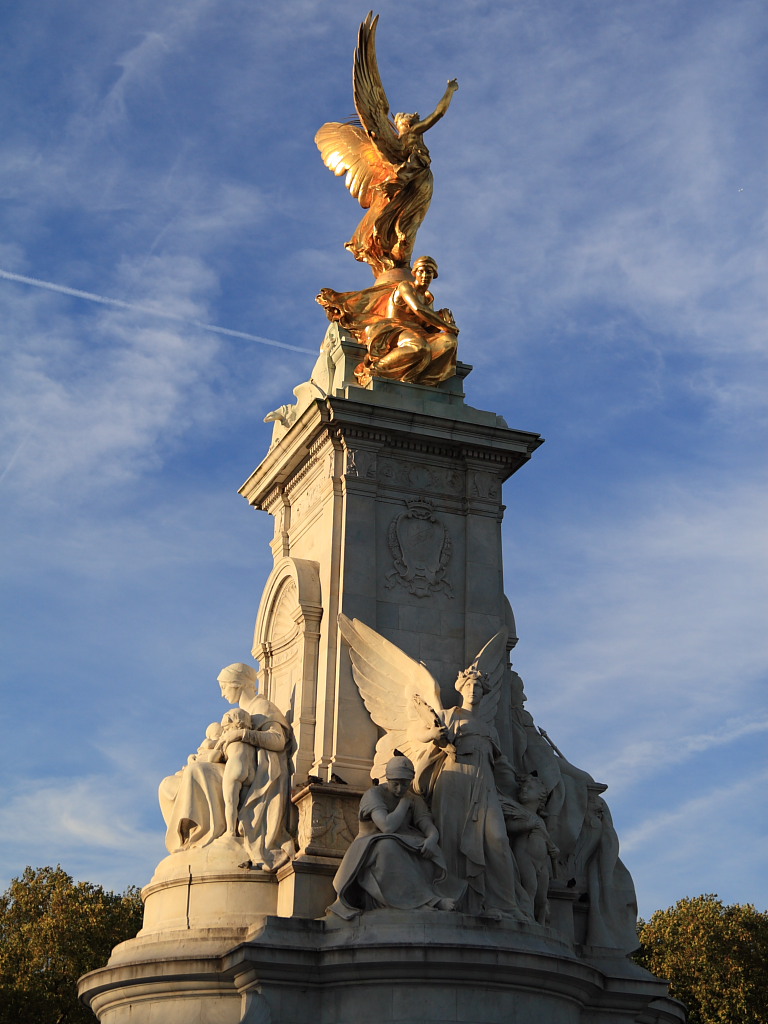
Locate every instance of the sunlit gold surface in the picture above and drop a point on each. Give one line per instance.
(405, 337)
(385, 160)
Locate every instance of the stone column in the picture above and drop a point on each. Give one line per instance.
(387, 506)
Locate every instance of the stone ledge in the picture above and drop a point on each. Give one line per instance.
(333, 972)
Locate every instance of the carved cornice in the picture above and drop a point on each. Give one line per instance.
(320, 444)
(274, 499)
(444, 449)
(295, 482)
(342, 433)
(456, 433)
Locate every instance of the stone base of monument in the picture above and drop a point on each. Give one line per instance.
(201, 888)
(416, 967)
(387, 504)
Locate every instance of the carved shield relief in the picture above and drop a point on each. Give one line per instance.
(421, 549)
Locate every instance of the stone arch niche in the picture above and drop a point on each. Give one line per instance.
(286, 643)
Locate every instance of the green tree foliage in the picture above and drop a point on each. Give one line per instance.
(715, 958)
(52, 930)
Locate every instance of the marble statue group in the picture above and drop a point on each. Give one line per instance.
(453, 820)
(508, 821)
(238, 782)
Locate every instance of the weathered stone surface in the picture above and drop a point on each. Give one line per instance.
(327, 819)
(385, 967)
(389, 497)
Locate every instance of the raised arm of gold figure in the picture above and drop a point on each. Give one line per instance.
(385, 160)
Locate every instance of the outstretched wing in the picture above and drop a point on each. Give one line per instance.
(391, 684)
(492, 661)
(346, 149)
(371, 101)
(387, 677)
(367, 152)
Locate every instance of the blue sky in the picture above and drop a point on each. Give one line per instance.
(600, 224)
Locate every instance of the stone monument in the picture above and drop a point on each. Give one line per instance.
(379, 831)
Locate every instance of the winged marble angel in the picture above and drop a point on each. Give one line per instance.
(460, 769)
(385, 160)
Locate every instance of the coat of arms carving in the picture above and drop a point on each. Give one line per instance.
(421, 549)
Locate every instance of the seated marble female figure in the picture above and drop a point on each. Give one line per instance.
(396, 861)
(193, 801)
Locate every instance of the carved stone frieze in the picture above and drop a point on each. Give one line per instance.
(327, 819)
(361, 463)
(420, 476)
(306, 501)
(484, 485)
(421, 549)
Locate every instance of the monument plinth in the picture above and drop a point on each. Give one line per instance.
(379, 831)
(387, 507)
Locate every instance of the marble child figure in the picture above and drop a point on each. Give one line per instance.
(208, 749)
(239, 752)
(396, 861)
(532, 847)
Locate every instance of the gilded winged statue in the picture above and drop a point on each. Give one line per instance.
(385, 160)
(460, 769)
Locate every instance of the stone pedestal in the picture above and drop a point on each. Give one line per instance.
(327, 825)
(420, 967)
(387, 507)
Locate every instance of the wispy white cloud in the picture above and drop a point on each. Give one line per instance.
(657, 606)
(643, 758)
(627, 209)
(194, 530)
(136, 308)
(61, 819)
(100, 397)
(75, 401)
(715, 842)
(650, 830)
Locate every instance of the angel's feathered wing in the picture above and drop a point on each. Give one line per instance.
(367, 152)
(389, 682)
(492, 661)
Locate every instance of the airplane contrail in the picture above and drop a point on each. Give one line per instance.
(104, 300)
(9, 464)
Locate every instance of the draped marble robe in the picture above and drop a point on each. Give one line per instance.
(192, 802)
(463, 787)
(388, 869)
